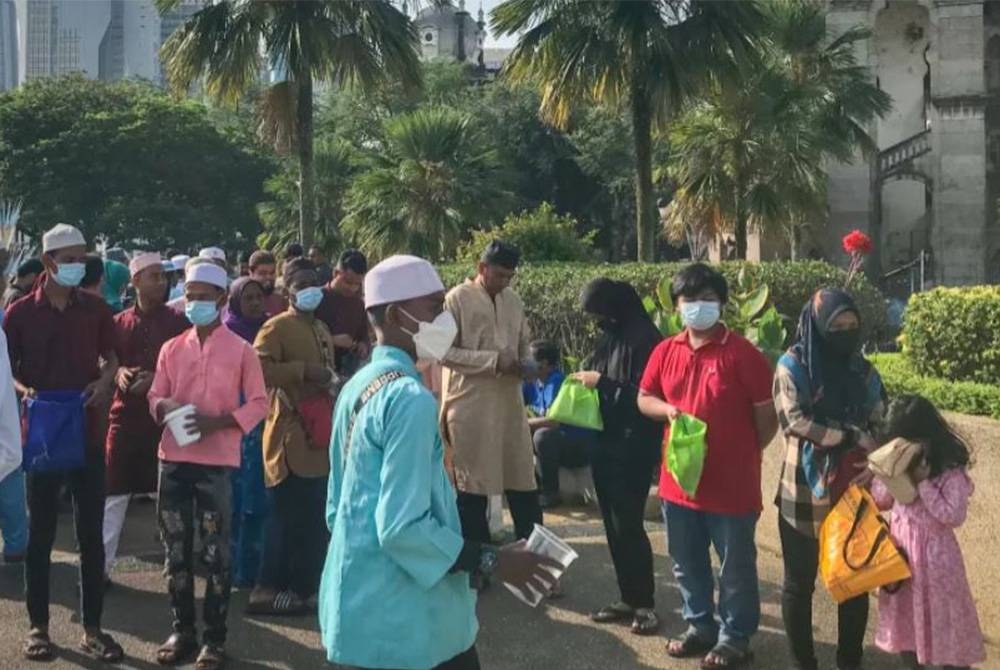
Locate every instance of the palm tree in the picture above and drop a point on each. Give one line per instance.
(753, 154)
(649, 55)
(344, 42)
(428, 182)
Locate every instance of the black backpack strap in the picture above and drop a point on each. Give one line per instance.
(373, 387)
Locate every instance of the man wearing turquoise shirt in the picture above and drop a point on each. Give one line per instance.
(396, 585)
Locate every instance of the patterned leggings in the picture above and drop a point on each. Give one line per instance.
(191, 496)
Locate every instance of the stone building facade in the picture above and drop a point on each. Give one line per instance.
(934, 185)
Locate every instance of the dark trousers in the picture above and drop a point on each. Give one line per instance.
(622, 488)
(524, 508)
(555, 449)
(297, 537)
(467, 660)
(196, 495)
(801, 557)
(86, 487)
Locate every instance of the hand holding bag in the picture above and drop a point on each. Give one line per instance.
(685, 452)
(55, 434)
(857, 554)
(577, 405)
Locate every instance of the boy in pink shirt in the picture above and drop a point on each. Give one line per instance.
(219, 373)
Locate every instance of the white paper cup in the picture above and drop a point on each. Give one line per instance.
(543, 541)
(176, 421)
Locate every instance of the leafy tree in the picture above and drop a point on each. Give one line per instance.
(752, 153)
(647, 55)
(126, 163)
(344, 42)
(431, 178)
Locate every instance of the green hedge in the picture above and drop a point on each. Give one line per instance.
(954, 333)
(900, 377)
(551, 292)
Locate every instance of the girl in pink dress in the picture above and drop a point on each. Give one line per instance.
(932, 619)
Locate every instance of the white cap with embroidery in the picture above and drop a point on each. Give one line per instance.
(400, 278)
(207, 273)
(61, 236)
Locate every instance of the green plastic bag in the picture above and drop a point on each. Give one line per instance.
(577, 405)
(686, 448)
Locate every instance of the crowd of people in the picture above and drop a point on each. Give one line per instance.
(330, 438)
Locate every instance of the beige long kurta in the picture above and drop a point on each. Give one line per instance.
(483, 420)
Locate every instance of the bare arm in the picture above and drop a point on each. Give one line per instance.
(765, 421)
(656, 409)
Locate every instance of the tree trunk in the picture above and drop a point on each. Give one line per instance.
(642, 131)
(740, 229)
(304, 145)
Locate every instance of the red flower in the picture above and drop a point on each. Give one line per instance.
(857, 242)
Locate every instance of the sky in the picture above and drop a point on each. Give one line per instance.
(473, 6)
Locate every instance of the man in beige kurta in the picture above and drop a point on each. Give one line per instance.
(483, 419)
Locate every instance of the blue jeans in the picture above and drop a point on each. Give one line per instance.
(13, 514)
(690, 535)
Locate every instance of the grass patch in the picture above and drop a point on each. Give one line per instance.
(972, 398)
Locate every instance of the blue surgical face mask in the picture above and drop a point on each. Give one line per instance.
(308, 299)
(201, 312)
(70, 274)
(700, 314)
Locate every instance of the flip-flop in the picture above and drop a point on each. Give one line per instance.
(284, 603)
(646, 622)
(38, 647)
(613, 614)
(728, 657)
(211, 657)
(177, 649)
(689, 645)
(102, 647)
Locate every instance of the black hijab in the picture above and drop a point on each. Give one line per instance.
(628, 335)
(833, 362)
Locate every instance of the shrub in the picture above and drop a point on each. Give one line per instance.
(542, 235)
(551, 292)
(900, 377)
(954, 333)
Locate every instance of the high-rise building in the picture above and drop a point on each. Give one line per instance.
(8, 45)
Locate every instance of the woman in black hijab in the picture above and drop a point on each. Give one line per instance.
(628, 448)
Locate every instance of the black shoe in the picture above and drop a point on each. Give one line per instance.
(550, 500)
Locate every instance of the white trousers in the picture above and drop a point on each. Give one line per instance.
(114, 520)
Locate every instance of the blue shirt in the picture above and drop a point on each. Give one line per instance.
(388, 598)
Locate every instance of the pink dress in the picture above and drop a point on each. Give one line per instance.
(933, 614)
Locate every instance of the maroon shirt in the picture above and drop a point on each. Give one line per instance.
(53, 350)
(343, 315)
(133, 435)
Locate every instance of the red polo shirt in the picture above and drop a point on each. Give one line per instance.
(720, 383)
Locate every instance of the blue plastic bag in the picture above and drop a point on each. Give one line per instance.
(55, 431)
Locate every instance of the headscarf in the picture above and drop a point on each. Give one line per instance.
(243, 326)
(833, 386)
(628, 337)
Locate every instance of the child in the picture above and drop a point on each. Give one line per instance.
(212, 368)
(932, 619)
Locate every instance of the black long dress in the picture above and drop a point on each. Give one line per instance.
(629, 447)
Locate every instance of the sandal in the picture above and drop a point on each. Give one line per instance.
(212, 657)
(689, 645)
(646, 622)
(102, 647)
(38, 647)
(613, 613)
(726, 656)
(177, 649)
(284, 603)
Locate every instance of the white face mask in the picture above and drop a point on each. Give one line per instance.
(433, 340)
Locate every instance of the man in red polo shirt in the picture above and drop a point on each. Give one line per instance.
(62, 339)
(720, 377)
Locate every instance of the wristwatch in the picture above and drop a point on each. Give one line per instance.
(488, 560)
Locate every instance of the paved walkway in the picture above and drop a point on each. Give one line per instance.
(514, 637)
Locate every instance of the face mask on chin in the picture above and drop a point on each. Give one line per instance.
(433, 339)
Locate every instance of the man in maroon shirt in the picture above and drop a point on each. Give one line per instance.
(62, 339)
(722, 379)
(343, 312)
(264, 270)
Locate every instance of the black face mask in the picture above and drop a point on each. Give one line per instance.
(607, 324)
(843, 343)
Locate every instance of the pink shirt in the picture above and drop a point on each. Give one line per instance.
(214, 378)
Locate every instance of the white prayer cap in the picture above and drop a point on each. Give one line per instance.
(180, 261)
(208, 273)
(213, 254)
(400, 278)
(168, 266)
(62, 236)
(142, 261)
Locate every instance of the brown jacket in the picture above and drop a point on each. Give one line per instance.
(287, 344)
